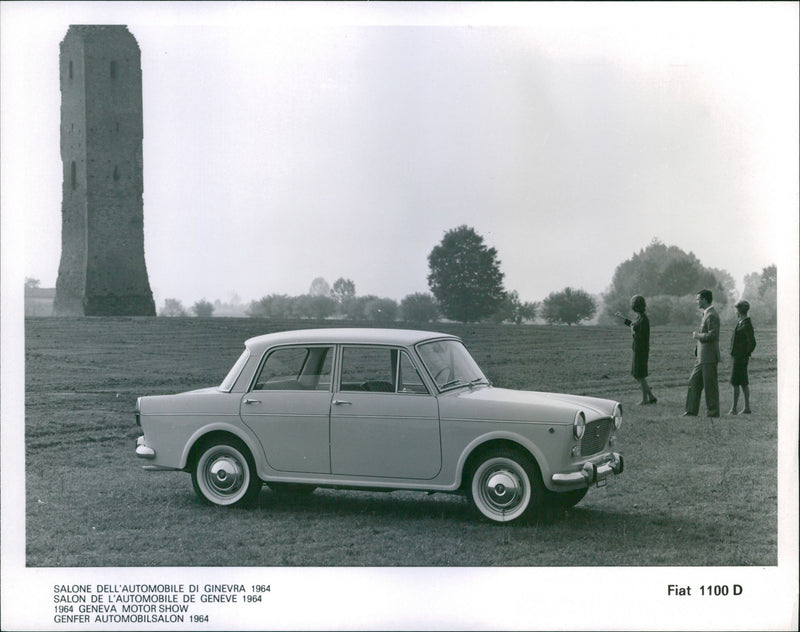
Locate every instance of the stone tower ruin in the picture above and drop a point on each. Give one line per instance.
(102, 270)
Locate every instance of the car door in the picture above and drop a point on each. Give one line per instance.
(384, 421)
(288, 407)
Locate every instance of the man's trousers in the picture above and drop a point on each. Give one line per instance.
(704, 376)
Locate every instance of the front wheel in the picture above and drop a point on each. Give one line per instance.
(224, 474)
(506, 486)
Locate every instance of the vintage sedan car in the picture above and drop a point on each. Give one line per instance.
(385, 409)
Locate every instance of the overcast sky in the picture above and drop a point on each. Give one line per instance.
(287, 142)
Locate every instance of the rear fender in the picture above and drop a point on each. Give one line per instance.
(249, 440)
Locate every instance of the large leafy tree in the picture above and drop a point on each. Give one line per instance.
(663, 274)
(465, 276)
(569, 306)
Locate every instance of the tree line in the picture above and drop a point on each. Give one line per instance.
(340, 302)
(669, 279)
(466, 285)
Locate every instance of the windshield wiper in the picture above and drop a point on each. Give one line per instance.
(451, 383)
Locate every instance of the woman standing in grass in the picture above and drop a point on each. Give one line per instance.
(640, 328)
(743, 341)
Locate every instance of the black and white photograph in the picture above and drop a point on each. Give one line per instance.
(399, 315)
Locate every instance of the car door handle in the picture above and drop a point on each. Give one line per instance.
(342, 402)
(252, 401)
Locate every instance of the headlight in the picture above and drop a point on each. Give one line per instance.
(579, 425)
(617, 414)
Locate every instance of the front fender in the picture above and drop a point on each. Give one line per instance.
(503, 435)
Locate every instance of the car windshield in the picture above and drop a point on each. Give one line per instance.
(230, 379)
(450, 364)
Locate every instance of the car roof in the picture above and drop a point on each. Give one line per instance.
(342, 335)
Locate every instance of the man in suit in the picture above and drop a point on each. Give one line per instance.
(704, 374)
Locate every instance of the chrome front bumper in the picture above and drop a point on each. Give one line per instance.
(591, 473)
(143, 451)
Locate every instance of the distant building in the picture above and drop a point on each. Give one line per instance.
(102, 270)
(39, 301)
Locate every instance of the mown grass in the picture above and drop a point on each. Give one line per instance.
(693, 493)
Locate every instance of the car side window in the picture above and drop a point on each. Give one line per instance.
(409, 379)
(368, 369)
(296, 369)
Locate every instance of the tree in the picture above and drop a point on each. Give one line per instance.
(752, 286)
(203, 309)
(465, 276)
(232, 307)
(319, 287)
(725, 288)
(419, 308)
(761, 291)
(679, 278)
(512, 310)
(683, 310)
(318, 306)
(31, 283)
(172, 307)
(382, 310)
(353, 308)
(664, 271)
(275, 306)
(343, 290)
(769, 279)
(568, 306)
(356, 309)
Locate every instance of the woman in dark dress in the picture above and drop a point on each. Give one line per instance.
(743, 341)
(640, 328)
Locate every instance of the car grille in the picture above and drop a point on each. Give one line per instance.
(595, 436)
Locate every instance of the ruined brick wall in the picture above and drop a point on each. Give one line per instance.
(102, 270)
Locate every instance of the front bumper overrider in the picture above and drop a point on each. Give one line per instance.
(591, 472)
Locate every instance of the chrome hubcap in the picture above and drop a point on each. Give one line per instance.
(225, 475)
(502, 489)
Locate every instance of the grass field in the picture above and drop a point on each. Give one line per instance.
(693, 493)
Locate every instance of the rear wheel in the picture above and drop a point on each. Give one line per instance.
(505, 486)
(225, 474)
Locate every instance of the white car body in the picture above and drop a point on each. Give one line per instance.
(326, 425)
